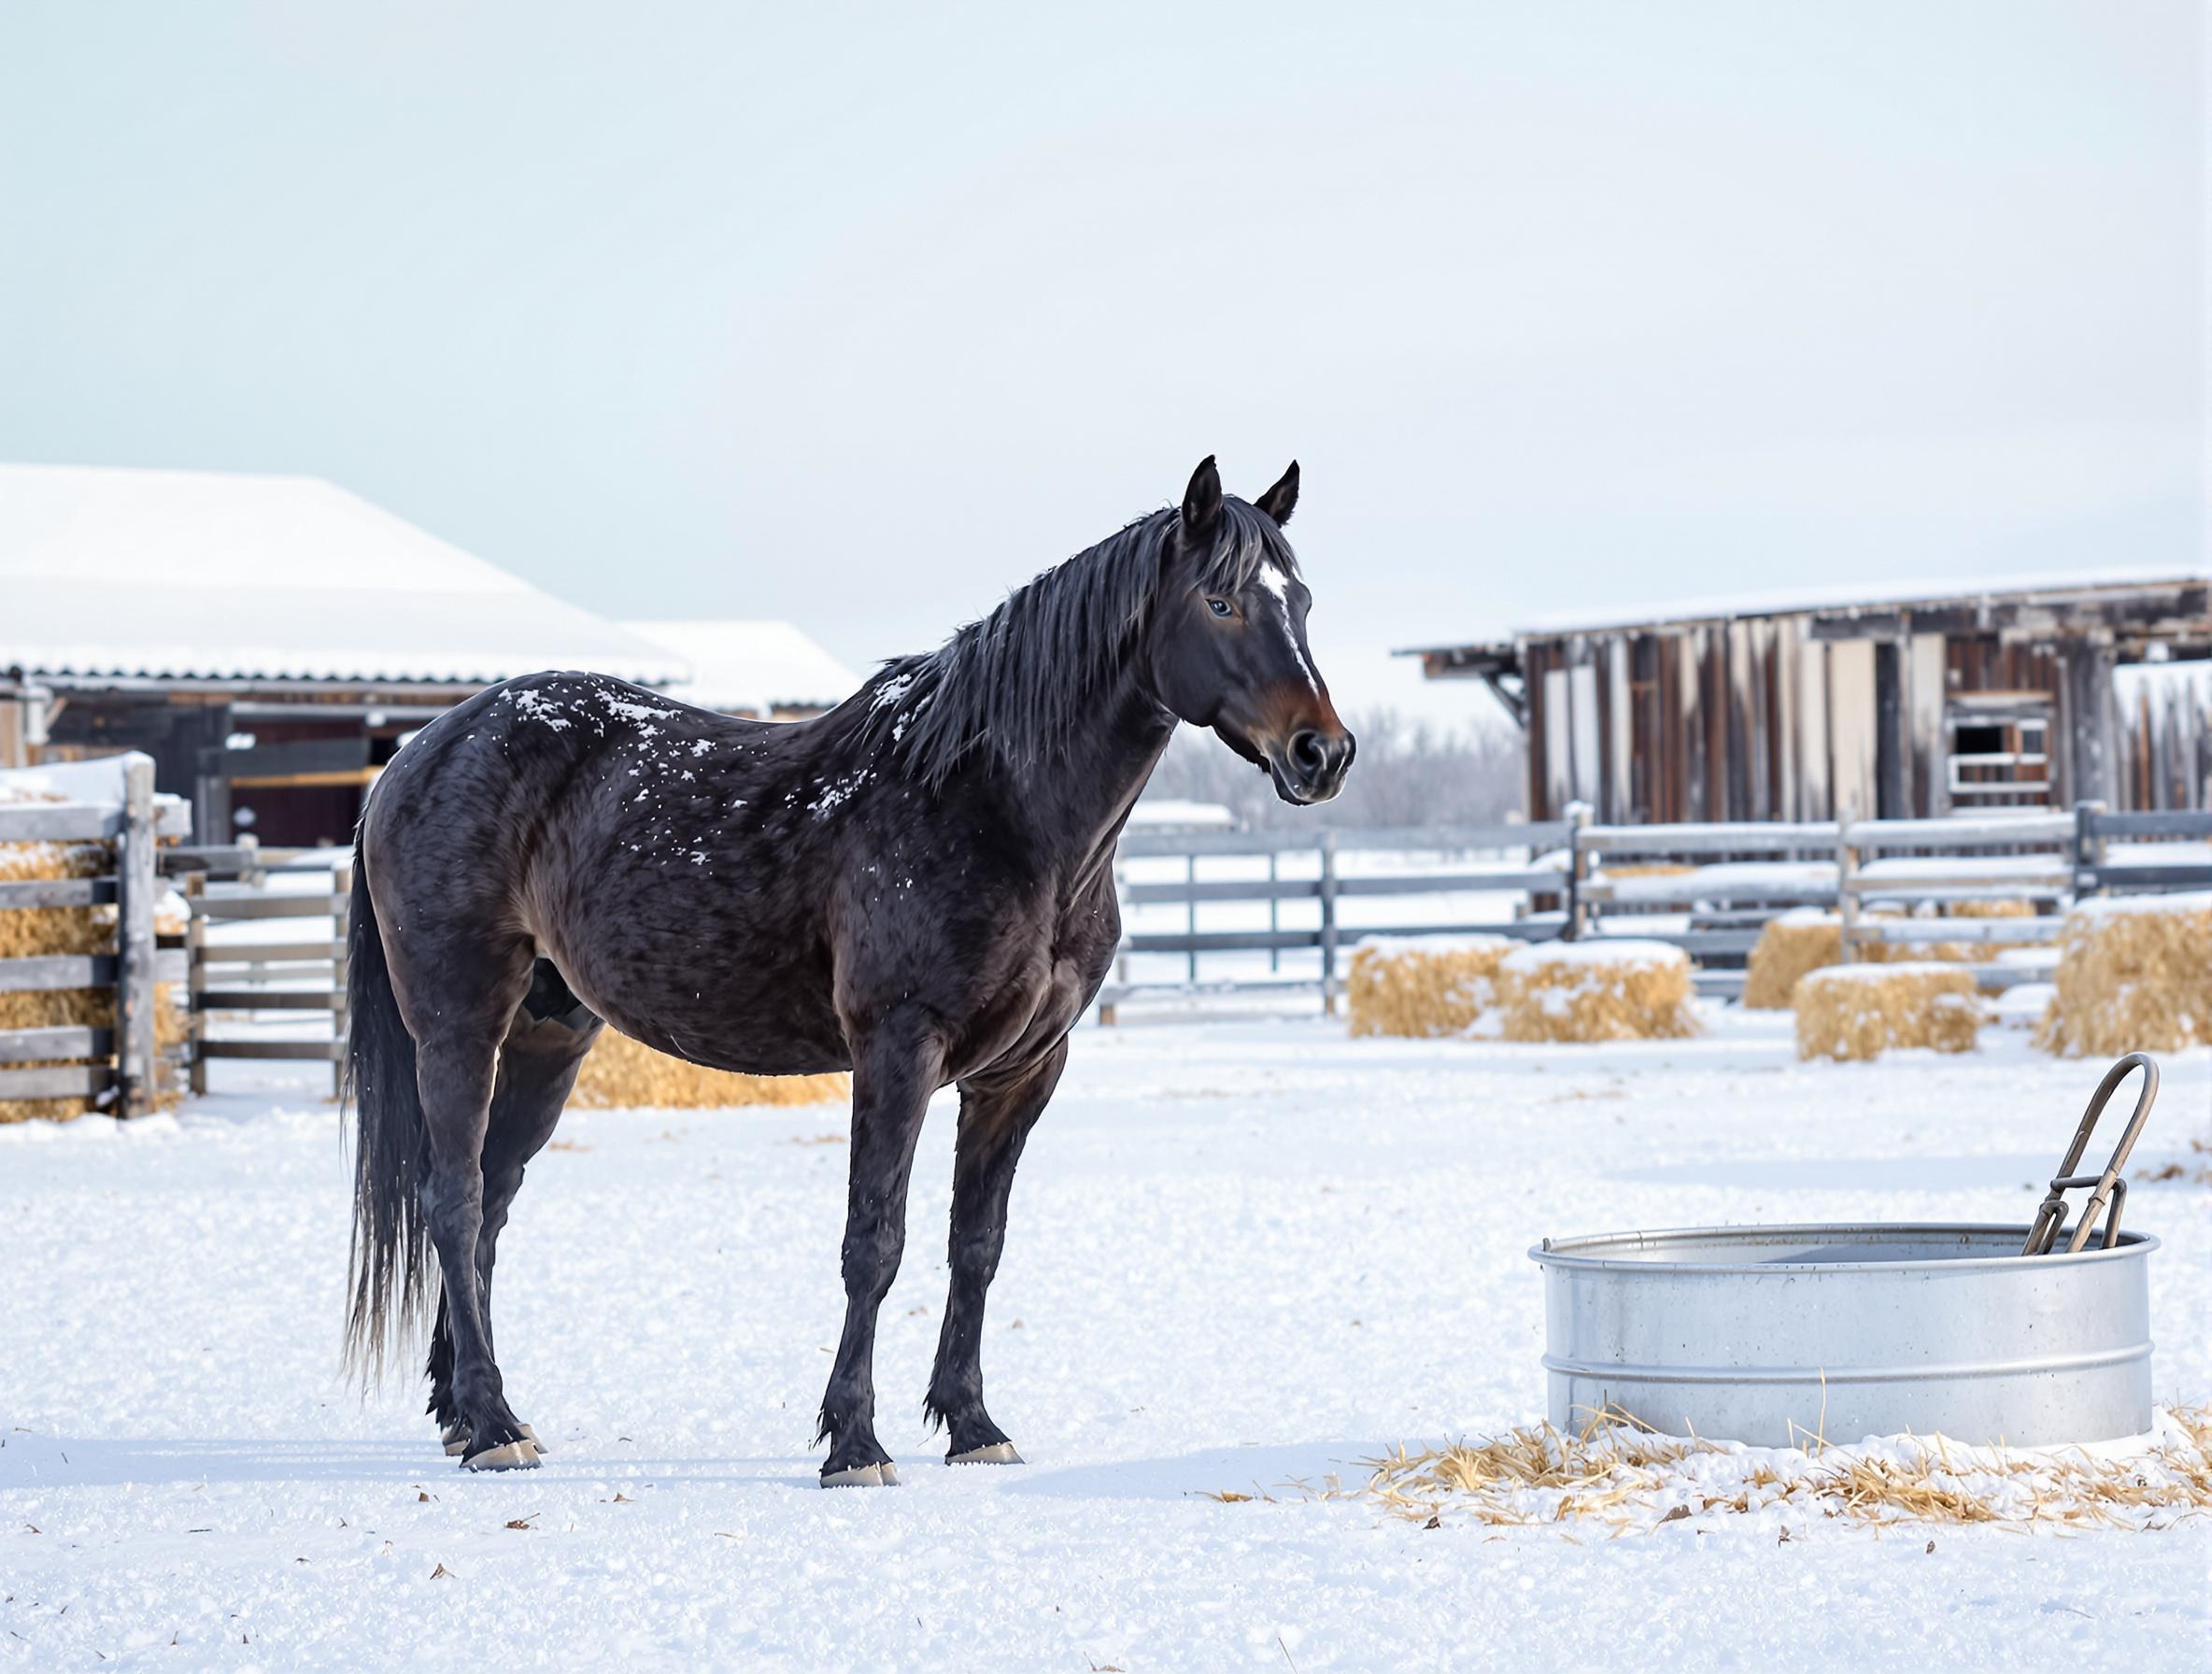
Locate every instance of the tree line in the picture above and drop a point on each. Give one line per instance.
(1409, 773)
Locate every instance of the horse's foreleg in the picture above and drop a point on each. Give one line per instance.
(996, 1115)
(895, 1070)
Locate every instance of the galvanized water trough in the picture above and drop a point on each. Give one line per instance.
(1775, 1335)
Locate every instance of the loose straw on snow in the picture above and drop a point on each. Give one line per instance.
(1630, 1479)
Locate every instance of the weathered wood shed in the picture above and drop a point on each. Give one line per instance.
(1898, 701)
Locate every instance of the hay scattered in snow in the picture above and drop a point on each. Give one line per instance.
(1581, 991)
(1424, 987)
(1633, 1480)
(1862, 1011)
(2135, 974)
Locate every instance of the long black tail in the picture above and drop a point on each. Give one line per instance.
(390, 1262)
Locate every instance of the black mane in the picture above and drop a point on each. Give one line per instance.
(1020, 678)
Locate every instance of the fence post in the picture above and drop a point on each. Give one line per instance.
(136, 1069)
(1847, 889)
(1578, 870)
(1274, 909)
(195, 955)
(1190, 916)
(2088, 844)
(1328, 924)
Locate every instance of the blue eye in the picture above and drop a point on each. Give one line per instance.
(1220, 607)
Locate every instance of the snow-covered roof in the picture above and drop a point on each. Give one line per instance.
(2192, 680)
(193, 575)
(753, 665)
(1861, 595)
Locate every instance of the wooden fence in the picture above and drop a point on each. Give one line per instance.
(128, 1070)
(237, 984)
(1579, 880)
(1564, 878)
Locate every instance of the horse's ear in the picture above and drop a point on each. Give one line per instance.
(1201, 500)
(1281, 499)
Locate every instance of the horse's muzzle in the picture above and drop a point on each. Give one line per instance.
(1311, 764)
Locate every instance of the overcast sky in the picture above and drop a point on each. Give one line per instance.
(858, 317)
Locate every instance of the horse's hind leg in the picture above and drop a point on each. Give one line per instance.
(457, 1053)
(545, 1043)
(997, 1112)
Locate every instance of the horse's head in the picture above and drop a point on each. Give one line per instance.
(1229, 638)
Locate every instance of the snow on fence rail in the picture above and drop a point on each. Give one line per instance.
(124, 1071)
(1574, 880)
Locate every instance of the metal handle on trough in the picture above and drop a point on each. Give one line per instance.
(2050, 1216)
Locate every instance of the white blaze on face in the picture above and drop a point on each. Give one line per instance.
(1278, 585)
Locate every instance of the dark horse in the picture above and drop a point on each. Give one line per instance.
(916, 885)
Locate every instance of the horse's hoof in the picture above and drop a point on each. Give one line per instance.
(998, 1453)
(456, 1438)
(515, 1455)
(863, 1476)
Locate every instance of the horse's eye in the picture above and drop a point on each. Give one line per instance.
(1220, 607)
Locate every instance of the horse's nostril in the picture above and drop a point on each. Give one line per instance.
(1307, 754)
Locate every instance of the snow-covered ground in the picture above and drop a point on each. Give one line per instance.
(1243, 1254)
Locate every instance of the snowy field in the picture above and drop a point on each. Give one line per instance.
(1243, 1254)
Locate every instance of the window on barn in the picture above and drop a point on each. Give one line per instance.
(1999, 746)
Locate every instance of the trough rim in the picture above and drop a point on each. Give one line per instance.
(1564, 1253)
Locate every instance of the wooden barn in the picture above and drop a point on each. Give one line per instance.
(1897, 703)
(268, 640)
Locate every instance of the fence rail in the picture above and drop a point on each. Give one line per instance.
(1733, 878)
(235, 982)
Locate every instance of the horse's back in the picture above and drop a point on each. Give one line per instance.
(647, 849)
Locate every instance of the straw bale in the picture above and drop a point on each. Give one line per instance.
(26, 932)
(1421, 987)
(1790, 945)
(1862, 1011)
(1810, 939)
(1581, 991)
(2011, 907)
(621, 1074)
(2135, 974)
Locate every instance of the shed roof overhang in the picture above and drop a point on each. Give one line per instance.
(2170, 619)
